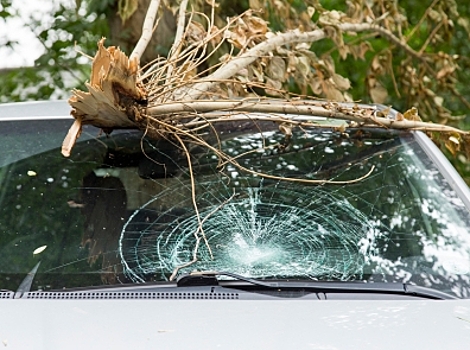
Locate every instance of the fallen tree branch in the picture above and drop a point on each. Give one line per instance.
(171, 97)
(278, 111)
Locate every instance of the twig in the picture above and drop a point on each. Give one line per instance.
(178, 42)
(460, 96)
(190, 59)
(430, 37)
(421, 20)
(147, 31)
(198, 239)
(178, 131)
(200, 229)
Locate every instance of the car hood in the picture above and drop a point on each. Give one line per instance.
(234, 324)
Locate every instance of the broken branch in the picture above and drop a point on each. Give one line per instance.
(147, 31)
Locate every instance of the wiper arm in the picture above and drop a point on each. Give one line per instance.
(209, 278)
(25, 285)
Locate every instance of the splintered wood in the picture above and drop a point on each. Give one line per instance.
(113, 92)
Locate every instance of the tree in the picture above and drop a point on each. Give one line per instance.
(407, 56)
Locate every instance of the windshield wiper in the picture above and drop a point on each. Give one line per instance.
(210, 278)
(25, 285)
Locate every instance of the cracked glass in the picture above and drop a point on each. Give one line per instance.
(123, 208)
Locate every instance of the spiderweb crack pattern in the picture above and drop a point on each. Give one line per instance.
(377, 229)
(271, 230)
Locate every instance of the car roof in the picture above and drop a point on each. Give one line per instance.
(35, 110)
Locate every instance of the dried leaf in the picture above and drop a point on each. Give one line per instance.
(329, 64)
(336, 35)
(216, 39)
(303, 66)
(465, 23)
(452, 144)
(256, 4)
(273, 87)
(377, 66)
(333, 94)
(316, 86)
(446, 71)
(341, 82)
(412, 114)
(438, 100)
(330, 18)
(237, 38)
(257, 25)
(454, 139)
(359, 51)
(341, 128)
(348, 97)
(310, 11)
(436, 15)
(187, 71)
(386, 112)
(256, 73)
(277, 69)
(378, 93)
(247, 30)
(286, 129)
(195, 33)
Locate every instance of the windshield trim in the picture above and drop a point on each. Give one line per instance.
(36, 117)
(444, 166)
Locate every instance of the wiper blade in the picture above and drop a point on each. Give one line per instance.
(210, 278)
(426, 292)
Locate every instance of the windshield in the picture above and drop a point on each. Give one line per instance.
(123, 208)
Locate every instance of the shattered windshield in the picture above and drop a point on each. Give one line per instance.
(322, 205)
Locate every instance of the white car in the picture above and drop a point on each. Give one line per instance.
(119, 247)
